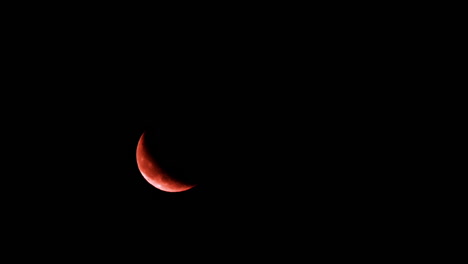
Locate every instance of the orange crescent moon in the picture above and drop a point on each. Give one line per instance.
(153, 173)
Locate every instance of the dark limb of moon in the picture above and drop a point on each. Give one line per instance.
(154, 174)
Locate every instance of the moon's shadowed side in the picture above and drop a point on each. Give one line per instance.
(154, 174)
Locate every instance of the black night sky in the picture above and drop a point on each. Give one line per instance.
(261, 163)
(277, 149)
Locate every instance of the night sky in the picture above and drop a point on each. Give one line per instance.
(264, 169)
(278, 150)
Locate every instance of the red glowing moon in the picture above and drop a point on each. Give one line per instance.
(153, 173)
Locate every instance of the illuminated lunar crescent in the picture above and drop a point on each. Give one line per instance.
(153, 173)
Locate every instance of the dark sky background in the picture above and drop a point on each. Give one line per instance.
(267, 167)
(279, 148)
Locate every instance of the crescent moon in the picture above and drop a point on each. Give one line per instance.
(153, 173)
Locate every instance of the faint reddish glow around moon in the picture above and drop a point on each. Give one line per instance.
(151, 171)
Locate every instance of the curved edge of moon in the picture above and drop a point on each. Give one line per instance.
(152, 172)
